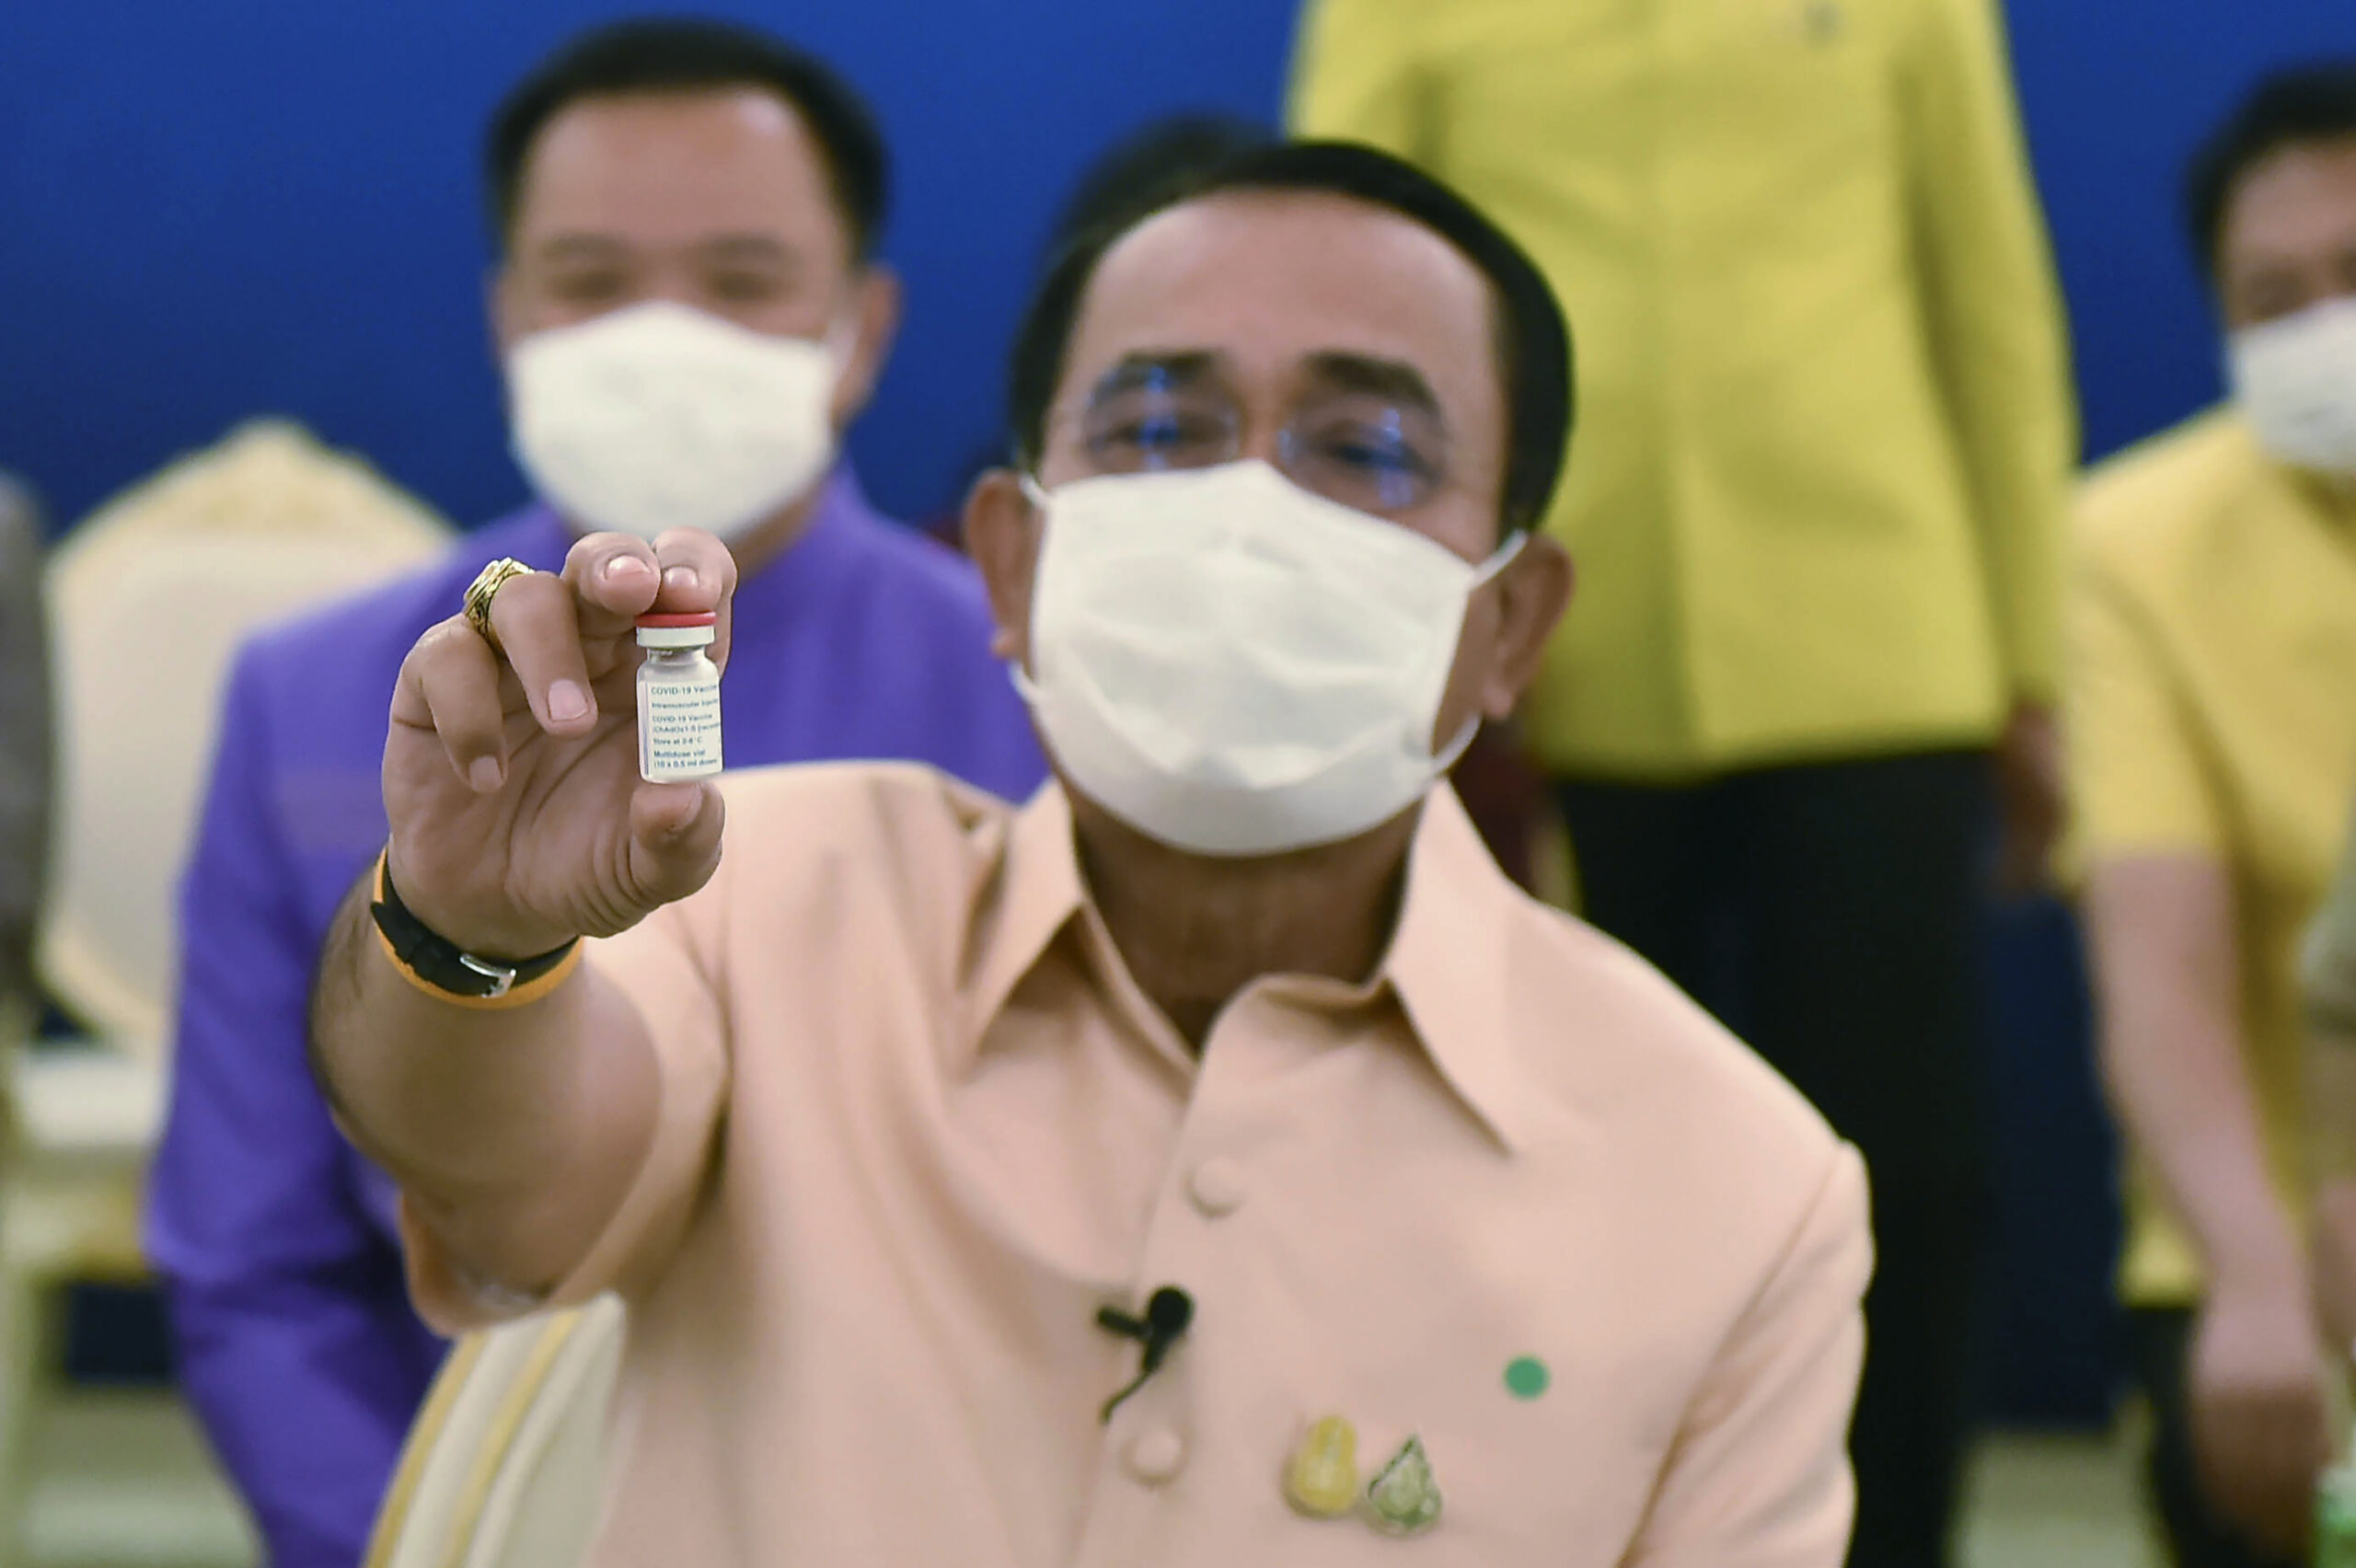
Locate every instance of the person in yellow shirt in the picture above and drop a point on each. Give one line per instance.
(2211, 723)
(1825, 455)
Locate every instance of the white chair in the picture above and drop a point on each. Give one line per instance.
(506, 1465)
(148, 601)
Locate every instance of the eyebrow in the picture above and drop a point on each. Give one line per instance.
(1336, 370)
(1393, 379)
(724, 248)
(1137, 371)
(749, 247)
(588, 247)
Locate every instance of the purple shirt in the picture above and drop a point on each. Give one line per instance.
(276, 1238)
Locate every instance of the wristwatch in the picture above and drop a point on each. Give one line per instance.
(439, 964)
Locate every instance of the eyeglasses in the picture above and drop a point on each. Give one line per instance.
(1375, 448)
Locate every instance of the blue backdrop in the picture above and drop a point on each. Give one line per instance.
(209, 212)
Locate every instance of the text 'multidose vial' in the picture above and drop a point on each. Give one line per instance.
(678, 698)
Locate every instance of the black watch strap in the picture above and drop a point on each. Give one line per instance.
(440, 963)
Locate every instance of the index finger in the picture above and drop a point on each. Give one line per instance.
(616, 578)
(2251, 1462)
(698, 574)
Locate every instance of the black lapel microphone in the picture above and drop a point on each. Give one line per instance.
(1167, 1312)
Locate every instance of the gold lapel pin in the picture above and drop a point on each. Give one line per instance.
(1322, 1477)
(1404, 1497)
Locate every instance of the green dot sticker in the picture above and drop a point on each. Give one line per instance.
(1525, 1377)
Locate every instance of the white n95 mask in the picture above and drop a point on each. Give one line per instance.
(2295, 380)
(1234, 667)
(659, 416)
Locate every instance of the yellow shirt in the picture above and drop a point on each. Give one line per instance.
(1824, 435)
(1517, 1199)
(2211, 709)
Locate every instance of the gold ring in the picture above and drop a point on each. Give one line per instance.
(488, 582)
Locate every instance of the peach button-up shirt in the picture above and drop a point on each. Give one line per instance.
(1515, 1196)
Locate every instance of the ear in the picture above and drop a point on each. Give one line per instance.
(875, 312)
(1532, 592)
(1002, 534)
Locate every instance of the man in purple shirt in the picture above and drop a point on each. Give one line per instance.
(690, 314)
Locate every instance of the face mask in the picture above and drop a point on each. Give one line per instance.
(659, 417)
(1234, 667)
(2295, 380)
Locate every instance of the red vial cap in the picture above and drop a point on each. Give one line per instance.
(705, 618)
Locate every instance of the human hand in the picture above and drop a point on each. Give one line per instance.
(2334, 1262)
(519, 820)
(2261, 1425)
(2030, 799)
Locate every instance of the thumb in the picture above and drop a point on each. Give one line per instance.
(675, 833)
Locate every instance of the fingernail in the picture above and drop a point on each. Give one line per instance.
(567, 702)
(681, 578)
(485, 774)
(624, 566)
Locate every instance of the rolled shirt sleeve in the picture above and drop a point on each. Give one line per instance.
(1759, 1476)
(295, 1346)
(2137, 780)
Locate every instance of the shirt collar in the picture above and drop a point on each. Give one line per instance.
(1448, 960)
(1037, 894)
(2330, 499)
(1446, 966)
(2334, 495)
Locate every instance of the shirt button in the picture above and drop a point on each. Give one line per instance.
(1217, 1187)
(1157, 1456)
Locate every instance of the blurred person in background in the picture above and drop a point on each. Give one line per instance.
(26, 754)
(1819, 539)
(2212, 751)
(692, 312)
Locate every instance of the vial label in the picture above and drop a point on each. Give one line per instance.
(678, 729)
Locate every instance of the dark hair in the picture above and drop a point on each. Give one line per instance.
(2306, 103)
(665, 54)
(1533, 341)
(1140, 170)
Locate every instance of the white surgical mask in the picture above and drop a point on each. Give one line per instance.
(1234, 667)
(659, 416)
(2295, 380)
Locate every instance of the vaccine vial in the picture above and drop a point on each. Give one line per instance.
(678, 698)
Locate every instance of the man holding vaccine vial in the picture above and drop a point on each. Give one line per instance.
(1215, 1160)
(692, 312)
